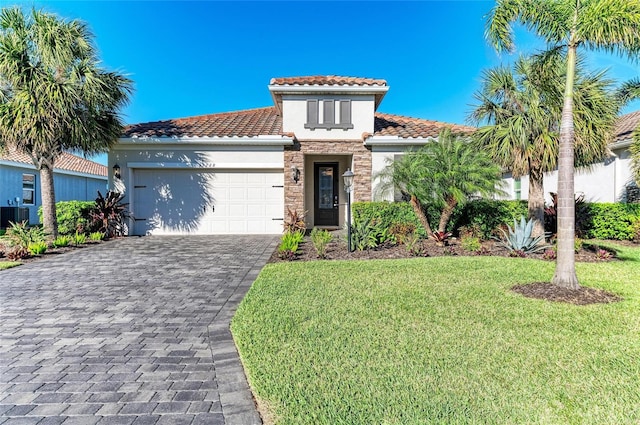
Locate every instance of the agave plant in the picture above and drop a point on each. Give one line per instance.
(519, 238)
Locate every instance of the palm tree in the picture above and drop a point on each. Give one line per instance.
(523, 107)
(630, 90)
(443, 174)
(54, 97)
(609, 25)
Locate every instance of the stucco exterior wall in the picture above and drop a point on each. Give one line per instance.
(294, 116)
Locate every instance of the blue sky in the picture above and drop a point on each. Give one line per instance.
(200, 57)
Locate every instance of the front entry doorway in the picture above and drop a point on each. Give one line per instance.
(325, 194)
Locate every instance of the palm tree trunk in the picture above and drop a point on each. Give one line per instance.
(48, 200)
(565, 274)
(445, 215)
(417, 208)
(535, 203)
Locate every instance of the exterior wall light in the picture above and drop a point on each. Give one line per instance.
(295, 174)
(116, 171)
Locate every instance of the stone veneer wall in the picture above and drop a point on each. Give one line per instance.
(294, 157)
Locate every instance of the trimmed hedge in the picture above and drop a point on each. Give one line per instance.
(611, 221)
(603, 221)
(72, 216)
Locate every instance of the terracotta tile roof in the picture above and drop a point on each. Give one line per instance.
(625, 126)
(327, 80)
(247, 123)
(406, 127)
(66, 162)
(266, 121)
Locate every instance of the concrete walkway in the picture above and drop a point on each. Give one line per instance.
(132, 331)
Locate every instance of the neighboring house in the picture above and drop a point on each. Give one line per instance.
(239, 172)
(74, 178)
(608, 181)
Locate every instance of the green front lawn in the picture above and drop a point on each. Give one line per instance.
(440, 340)
(8, 264)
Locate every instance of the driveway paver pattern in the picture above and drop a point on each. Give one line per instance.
(131, 331)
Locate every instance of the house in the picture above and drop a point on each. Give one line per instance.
(608, 181)
(239, 172)
(75, 178)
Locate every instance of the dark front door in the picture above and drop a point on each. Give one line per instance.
(325, 194)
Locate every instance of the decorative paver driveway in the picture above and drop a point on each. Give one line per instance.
(132, 331)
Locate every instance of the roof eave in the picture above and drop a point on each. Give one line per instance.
(262, 140)
(278, 90)
(397, 141)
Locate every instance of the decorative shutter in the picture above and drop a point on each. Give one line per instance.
(345, 112)
(329, 112)
(312, 113)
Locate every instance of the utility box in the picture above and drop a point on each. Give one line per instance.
(14, 214)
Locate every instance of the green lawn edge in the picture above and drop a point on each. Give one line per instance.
(440, 340)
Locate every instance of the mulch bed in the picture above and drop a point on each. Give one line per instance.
(51, 252)
(337, 250)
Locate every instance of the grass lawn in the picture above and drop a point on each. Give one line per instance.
(440, 340)
(8, 264)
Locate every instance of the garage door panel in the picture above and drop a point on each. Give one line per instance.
(189, 202)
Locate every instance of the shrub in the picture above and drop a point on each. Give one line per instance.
(603, 254)
(635, 228)
(17, 253)
(294, 222)
(519, 240)
(442, 238)
(611, 221)
(96, 236)
(414, 246)
(289, 243)
(62, 241)
(402, 230)
(72, 216)
(21, 235)
(486, 215)
(364, 235)
(79, 238)
(470, 243)
(581, 215)
(550, 254)
(37, 248)
(320, 239)
(108, 214)
(386, 214)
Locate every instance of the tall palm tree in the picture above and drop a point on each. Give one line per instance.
(442, 174)
(630, 90)
(523, 106)
(54, 97)
(609, 25)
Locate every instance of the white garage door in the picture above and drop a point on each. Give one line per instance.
(206, 203)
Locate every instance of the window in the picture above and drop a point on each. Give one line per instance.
(517, 188)
(328, 114)
(28, 189)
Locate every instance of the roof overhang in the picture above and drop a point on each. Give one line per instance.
(266, 140)
(278, 90)
(56, 170)
(622, 144)
(397, 141)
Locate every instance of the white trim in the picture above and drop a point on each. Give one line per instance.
(207, 166)
(55, 170)
(621, 144)
(262, 140)
(397, 141)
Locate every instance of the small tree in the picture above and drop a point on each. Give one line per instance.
(444, 174)
(53, 95)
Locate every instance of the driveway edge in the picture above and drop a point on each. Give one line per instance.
(238, 405)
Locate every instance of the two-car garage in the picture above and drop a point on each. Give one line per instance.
(206, 201)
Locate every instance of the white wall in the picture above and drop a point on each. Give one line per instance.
(294, 117)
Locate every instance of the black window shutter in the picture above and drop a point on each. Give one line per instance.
(345, 112)
(329, 112)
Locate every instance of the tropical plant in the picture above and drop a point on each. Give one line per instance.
(289, 243)
(470, 243)
(294, 222)
(37, 248)
(79, 238)
(108, 214)
(444, 174)
(610, 25)
(71, 216)
(364, 235)
(96, 236)
(62, 241)
(320, 239)
(402, 230)
(522, 107)
(21, 235)
(54, 95)
(441, 238)
(520, 240)
(582, 214)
